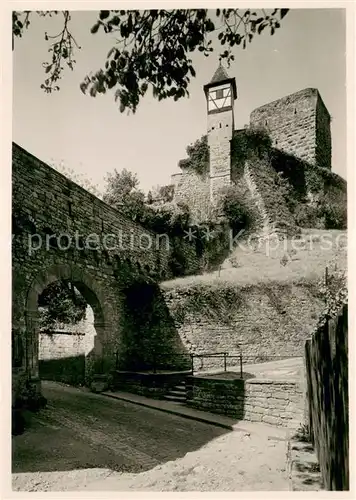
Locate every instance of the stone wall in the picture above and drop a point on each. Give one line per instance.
(63, 352)
(323, 135)
(298, 124)
(264, 179)
(326, 355)
(64, 341)
(61, 231)
(152, 385)
(59, 345)
(260, 320)
(58, 206)
(193, 190)
(279, 403)
(275, 402)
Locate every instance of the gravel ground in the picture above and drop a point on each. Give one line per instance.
(85, 441)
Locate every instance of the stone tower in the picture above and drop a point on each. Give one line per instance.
(299, 125)
(220, 95)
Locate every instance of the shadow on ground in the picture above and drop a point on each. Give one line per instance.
(82, 430)
(305, 468)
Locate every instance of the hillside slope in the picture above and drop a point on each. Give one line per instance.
(264, 304)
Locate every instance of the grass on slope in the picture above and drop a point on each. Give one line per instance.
(288, 260)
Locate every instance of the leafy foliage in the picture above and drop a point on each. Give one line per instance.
(245, 144)
(123, 194)
(333, 289)
(198, 157)
(335, 214)
(61, 47)
(214, 303)
(79, 179)
(153, 47)
(161, 194)
(61, 302)
(234, 207)
(312, 195)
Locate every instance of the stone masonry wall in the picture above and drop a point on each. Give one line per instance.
(47, 204)
(323, 135)
(68, 340)
(275, 402)
(298, 124)
(265, 321)
(51, 199)
(59, 345)
(193, 190)
(279, 403)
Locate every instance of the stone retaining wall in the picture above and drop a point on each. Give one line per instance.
(274, 402)
(260, 317)
(279, 403)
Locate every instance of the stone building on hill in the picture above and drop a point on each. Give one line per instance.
(296, 146)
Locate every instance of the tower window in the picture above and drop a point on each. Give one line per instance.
(220, 125)
(220, 94)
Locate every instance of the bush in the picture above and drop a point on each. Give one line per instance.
(198, 157)
(307, 216)
(335, 215)
(235, 208)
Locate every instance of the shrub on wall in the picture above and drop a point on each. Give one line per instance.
(334, 291)
(335, 214)
(308, 216)
(217, 304)
(244, 144)
(236, 209)
(198, 157)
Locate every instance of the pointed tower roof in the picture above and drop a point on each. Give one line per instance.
(220, 74)
(220, 77)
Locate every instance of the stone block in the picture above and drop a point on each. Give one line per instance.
(269, 419)
(99, 384)
(254, 417)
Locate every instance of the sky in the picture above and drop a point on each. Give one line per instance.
(90, 135)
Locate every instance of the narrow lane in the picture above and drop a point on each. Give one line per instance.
(82, 430)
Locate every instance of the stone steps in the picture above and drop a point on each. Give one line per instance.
(177, 394)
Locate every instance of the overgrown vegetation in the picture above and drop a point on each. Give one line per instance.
(246, 144)
(334, 291)
(315, 196)
(198, 157)
(236, 206)
(213, 303)
(160, 214)
(61, 302)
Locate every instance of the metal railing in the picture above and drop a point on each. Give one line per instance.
(224, 356)
(235, 361)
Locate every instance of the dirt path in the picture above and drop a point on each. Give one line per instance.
(87, 441)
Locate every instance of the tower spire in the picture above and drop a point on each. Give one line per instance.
(220, 74)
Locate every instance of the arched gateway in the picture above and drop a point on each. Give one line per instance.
(49, 211)
(92, 292)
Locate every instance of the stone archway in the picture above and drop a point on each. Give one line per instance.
(92, 292)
